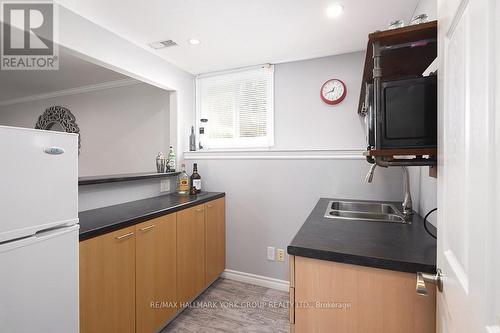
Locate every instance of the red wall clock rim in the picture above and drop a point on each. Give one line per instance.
(341, 98)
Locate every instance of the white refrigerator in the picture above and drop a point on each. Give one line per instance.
(38, 231)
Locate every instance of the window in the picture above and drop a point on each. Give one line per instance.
(239, 107)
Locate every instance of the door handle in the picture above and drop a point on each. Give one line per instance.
(422, 278)
(124, 236)
(148, 227)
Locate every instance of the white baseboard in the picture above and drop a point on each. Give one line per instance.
(257, 280)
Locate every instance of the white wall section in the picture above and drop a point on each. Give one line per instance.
(98, 45)
(122, 129)
(102, 195)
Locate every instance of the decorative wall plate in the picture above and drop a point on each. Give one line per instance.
(58, 118)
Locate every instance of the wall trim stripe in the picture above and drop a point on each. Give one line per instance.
(285, 154)
(257, 280)
(72, 91)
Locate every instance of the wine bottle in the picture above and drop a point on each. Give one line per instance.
(196, 178)
(192, 140)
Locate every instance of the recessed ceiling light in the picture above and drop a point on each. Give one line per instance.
(194, 41)
(334, 10)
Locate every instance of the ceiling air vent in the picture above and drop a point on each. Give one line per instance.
(163, 44)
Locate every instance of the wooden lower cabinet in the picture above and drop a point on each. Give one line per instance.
(134, 279)
(107, 282)
(335, 297)
(215, 239)
(155, 273)
(190, 252)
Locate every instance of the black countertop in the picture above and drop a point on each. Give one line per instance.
(99, 221)
(393, 246)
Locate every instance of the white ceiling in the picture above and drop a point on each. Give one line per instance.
(73, 73)
(236, 33)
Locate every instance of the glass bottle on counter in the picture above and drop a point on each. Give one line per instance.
(196, 178)
(183, 181)
(192, 140)
(171, 160)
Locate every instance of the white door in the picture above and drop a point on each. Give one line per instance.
(469, 166)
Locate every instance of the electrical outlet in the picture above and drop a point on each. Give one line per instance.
(270, 253)
(165, 185)
(280, 255)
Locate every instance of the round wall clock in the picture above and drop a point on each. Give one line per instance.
(333, 91)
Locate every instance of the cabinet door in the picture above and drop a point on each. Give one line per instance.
(155, 272)
(336, 297)
(107, 282)
(190, 252)
(215, 239)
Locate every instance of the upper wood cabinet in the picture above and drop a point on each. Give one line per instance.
(107, 283)
(190, 252)
(215, 239)
(155, 272)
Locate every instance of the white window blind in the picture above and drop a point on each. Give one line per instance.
(239, 106)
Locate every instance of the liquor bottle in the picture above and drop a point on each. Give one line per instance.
(171, 160)
(183, 181)
(196, 178)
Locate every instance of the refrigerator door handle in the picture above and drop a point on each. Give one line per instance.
(52, 232)
(38, 237)
(54, 150)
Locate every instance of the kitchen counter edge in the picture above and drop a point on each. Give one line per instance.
(94, 223)
(309, 249)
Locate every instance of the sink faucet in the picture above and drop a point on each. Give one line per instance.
(369, 175)
(407, 203)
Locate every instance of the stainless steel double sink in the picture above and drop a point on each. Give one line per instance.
(365, 211)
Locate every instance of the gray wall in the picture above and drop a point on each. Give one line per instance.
(302, 119)
(268, 200)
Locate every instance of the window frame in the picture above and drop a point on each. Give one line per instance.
(241, 143)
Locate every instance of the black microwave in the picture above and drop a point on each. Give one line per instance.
(407, 117)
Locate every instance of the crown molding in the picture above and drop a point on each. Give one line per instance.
(72, 91)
